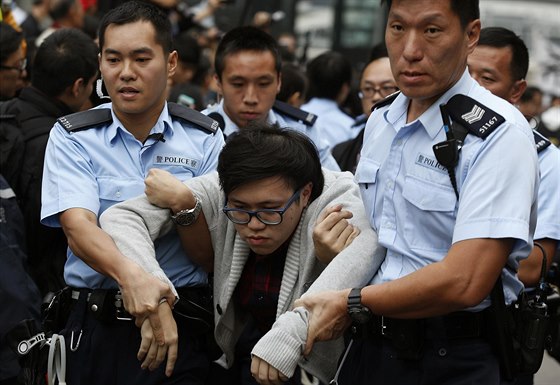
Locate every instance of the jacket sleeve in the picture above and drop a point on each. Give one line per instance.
(355, 266)
(134, 225)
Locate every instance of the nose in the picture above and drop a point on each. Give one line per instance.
(255, 224)
(250, 95)
(127, 72)
(412, 50)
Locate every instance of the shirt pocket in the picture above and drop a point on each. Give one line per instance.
(430, 213)
(113, 190)
(366, 177)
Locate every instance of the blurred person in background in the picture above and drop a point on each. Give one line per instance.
(64, 14)
(13, 62)
(330, 76)
(376, 83)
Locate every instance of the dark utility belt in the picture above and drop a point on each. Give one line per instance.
(194, 307)
(410, 335)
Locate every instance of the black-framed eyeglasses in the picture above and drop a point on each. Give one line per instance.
(266, 216)
(368, 92)
(22, 66)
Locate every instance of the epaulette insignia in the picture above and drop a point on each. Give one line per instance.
(188, 114)
(388, 100)
(540, 141)
(85, 119)
(480, 120)
(305, 117)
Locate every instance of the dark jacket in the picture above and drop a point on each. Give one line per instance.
(46, 247)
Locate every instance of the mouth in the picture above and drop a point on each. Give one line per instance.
(250, 115)
(412, 75)
(128, 92)
(256, 241)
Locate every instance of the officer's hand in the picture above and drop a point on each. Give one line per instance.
(164, 190)
(328, 317)
(152, 353)
(332, 233)
(266, 374)
(142, 293)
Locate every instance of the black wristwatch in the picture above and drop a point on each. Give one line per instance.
(188, 217)
(359, 314)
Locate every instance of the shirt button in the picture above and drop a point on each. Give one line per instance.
(442, 352)
(118, 194)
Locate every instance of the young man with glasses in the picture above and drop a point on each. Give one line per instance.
(12, 62)
(255, 227)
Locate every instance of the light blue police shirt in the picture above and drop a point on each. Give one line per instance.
(283, 121)
(548, 217)
(95, 168)
(410, 200)
(336, 126)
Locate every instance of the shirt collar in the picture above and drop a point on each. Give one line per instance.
(431, 118)
(164, 124)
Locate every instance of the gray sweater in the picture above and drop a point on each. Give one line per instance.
(135, 224)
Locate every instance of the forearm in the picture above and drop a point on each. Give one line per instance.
(96, 248)
(530, 269)
(461, 280)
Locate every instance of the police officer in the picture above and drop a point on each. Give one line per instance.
(454, 204)
(499, 63)
(330, 77)
(99, 157)
(247, 66)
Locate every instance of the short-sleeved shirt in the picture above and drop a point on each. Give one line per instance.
(548, 217)
(97, 167)
(411, 202)
(312, 132)
(336, 126)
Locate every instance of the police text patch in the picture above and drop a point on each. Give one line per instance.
(429, 162)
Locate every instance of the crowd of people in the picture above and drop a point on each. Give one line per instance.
(210, 209)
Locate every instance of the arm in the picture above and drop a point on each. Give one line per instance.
(436, 289)
(166, 191)
(530, 269)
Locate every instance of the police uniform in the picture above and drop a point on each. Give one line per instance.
(285, 116)
(413, 207)
(335, 125)
(93, 162)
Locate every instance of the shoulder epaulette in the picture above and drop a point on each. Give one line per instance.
(305, 117)
(360, 121)
(192, 116)
(540, 141)
(388, 100)
(478, 119)
(85, 119)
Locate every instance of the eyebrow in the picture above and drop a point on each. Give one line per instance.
(430, 18)
(137, 51)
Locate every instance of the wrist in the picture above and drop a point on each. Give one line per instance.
(184, 200)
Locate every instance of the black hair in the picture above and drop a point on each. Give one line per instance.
(261, 151)
(133, 11)
(293, 80)
(10, 41)
(60, 8)
(65, 56)
(530, 93)
(188, 49)
(378, 51)
(499, 37)
(467, 10)
(327, 73)
(246, 38)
